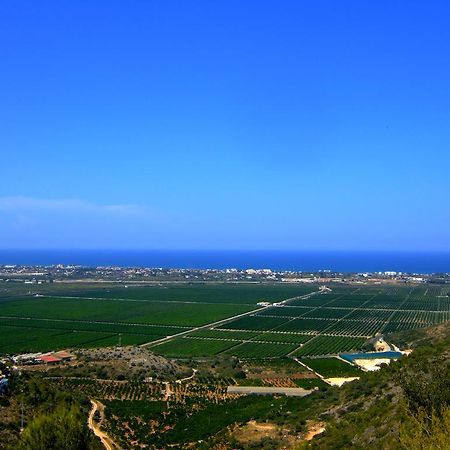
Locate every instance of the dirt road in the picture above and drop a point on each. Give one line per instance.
(107, 442)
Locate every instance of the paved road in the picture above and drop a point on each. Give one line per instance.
(268, 390)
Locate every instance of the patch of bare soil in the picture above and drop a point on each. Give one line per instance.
(314, 428)
(121, 363)
(438, 332)
(253, 432)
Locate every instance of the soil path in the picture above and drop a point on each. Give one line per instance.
(107, 442)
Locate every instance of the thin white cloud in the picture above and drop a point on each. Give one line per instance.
(28, 204)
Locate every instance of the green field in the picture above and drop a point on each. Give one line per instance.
(23, 339)
(255, 323)
(331, 367)
(329, 345)
(188, 347)
(225, 334)
(200, 293)
(114, 328)
(261, 350)
(282, 337)
(128, 311)
(328, 323)
(139, 315)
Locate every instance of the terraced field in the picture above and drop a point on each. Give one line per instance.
(213, 319)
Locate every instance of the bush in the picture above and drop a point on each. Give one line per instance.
(64, 429)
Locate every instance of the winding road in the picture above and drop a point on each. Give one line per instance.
(107, 442)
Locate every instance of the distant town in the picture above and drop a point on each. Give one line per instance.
(63, 273)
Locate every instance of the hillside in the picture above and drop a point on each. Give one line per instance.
(405, 405)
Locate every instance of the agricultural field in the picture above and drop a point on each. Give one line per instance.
(255, 323)
(282, 337)
(287, 311)
(170, 425)
(341, 320)
(147, 409)
(186, 347)
(261, 350)
(331, 367)
(248, 294)
(211, 319)
(354, 328)
(121, 311)
(329, 345)
(121, 315)
(327, 313)
(308, 326)
(216, 333)
(23, 339)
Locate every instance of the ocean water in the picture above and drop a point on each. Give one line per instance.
(411, 262)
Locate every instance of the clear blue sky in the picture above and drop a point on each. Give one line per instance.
(225, 124)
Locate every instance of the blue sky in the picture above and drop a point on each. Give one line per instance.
(228, 124)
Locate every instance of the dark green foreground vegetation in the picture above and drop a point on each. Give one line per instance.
(53, 419)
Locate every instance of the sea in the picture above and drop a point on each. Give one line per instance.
(340, 261)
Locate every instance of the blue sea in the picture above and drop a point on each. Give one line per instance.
(411, 262)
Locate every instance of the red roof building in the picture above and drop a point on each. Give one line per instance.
(49, 359)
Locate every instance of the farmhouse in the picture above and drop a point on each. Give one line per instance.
(48, 359)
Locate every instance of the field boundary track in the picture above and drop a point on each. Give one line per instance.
(139, 300)
(99, 322)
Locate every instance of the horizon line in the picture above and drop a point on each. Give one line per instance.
(255, 250)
